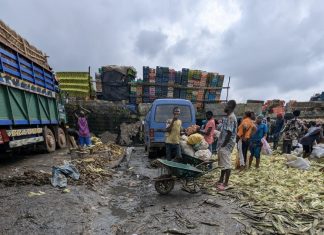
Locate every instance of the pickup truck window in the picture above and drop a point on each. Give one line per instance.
(164, 112)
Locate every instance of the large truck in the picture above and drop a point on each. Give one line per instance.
(31, 107)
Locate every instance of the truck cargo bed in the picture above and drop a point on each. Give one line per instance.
(13, 40)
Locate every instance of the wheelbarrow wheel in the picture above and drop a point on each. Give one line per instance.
(164, 186)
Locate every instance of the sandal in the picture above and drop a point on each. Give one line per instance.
(221, 187)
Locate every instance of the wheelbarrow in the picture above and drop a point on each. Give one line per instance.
(186, 171)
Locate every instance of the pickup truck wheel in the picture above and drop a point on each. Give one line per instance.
(151, 154)
(49, 140)
(61, 138)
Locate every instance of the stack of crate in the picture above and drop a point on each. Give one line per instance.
(152, 93)
(220, 82)
(185, 84)
(146, 70)
(184, 77)
(178, 78)
(139, 93)
(152, 75)
(132, 97)
(172, 77)
(203, 79)
(146, 94)
(176, 93)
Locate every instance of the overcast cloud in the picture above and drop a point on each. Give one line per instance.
(271, 49)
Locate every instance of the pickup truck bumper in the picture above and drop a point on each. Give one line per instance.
(157, 145)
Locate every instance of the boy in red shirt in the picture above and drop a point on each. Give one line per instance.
(209, 129)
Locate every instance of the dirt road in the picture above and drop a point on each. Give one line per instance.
(125, 204)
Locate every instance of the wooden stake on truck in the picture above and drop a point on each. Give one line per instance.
(30, 99)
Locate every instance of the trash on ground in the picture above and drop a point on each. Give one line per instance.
(209, 223)
(175, 231)
(66, 190)
(59, 174)
(299, 163)
(39, 193)
(212, 203)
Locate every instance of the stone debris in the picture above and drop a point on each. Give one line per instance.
(128, 131)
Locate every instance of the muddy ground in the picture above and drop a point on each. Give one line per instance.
(127, 203)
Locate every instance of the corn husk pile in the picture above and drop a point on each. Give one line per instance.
(276, 199)
(112, 151)
(94, 169)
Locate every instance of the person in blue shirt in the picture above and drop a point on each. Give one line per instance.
(255, 141)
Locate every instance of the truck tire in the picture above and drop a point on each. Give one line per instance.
(61, 138)
(49, 140)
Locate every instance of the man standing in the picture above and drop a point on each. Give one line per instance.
(269, 128)
(226, 144)
(209, 130)
(245, 131)
(313, 134)
(173, 130)
(256, 144)
(292, 132)
(277, 129)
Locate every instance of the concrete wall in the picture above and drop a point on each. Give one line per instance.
(218, 109)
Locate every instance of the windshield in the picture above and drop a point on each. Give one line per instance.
(165, 112)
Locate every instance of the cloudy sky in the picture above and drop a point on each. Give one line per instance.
(271, 49)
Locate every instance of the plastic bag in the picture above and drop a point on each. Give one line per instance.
(216, 134)
(195, 139)
(317, 152)
(204, 155)
(239, 157)
(186, 148)
(266, 149)
(203, 145)
(299, 163)
(59, 174)
(291, 157)
(298, 151)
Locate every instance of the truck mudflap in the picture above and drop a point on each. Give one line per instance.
(27, 141)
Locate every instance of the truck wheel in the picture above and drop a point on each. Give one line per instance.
(61, 138)
(49, 137)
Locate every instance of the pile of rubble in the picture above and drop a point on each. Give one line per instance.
(129, 131)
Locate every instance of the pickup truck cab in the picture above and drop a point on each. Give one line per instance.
(155, 120)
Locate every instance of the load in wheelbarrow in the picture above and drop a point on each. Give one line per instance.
(186, 171)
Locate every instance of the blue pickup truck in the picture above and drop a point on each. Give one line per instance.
(155, 120)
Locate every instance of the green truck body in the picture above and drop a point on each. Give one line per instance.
(30, 111)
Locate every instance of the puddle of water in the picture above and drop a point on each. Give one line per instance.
(116, 211)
